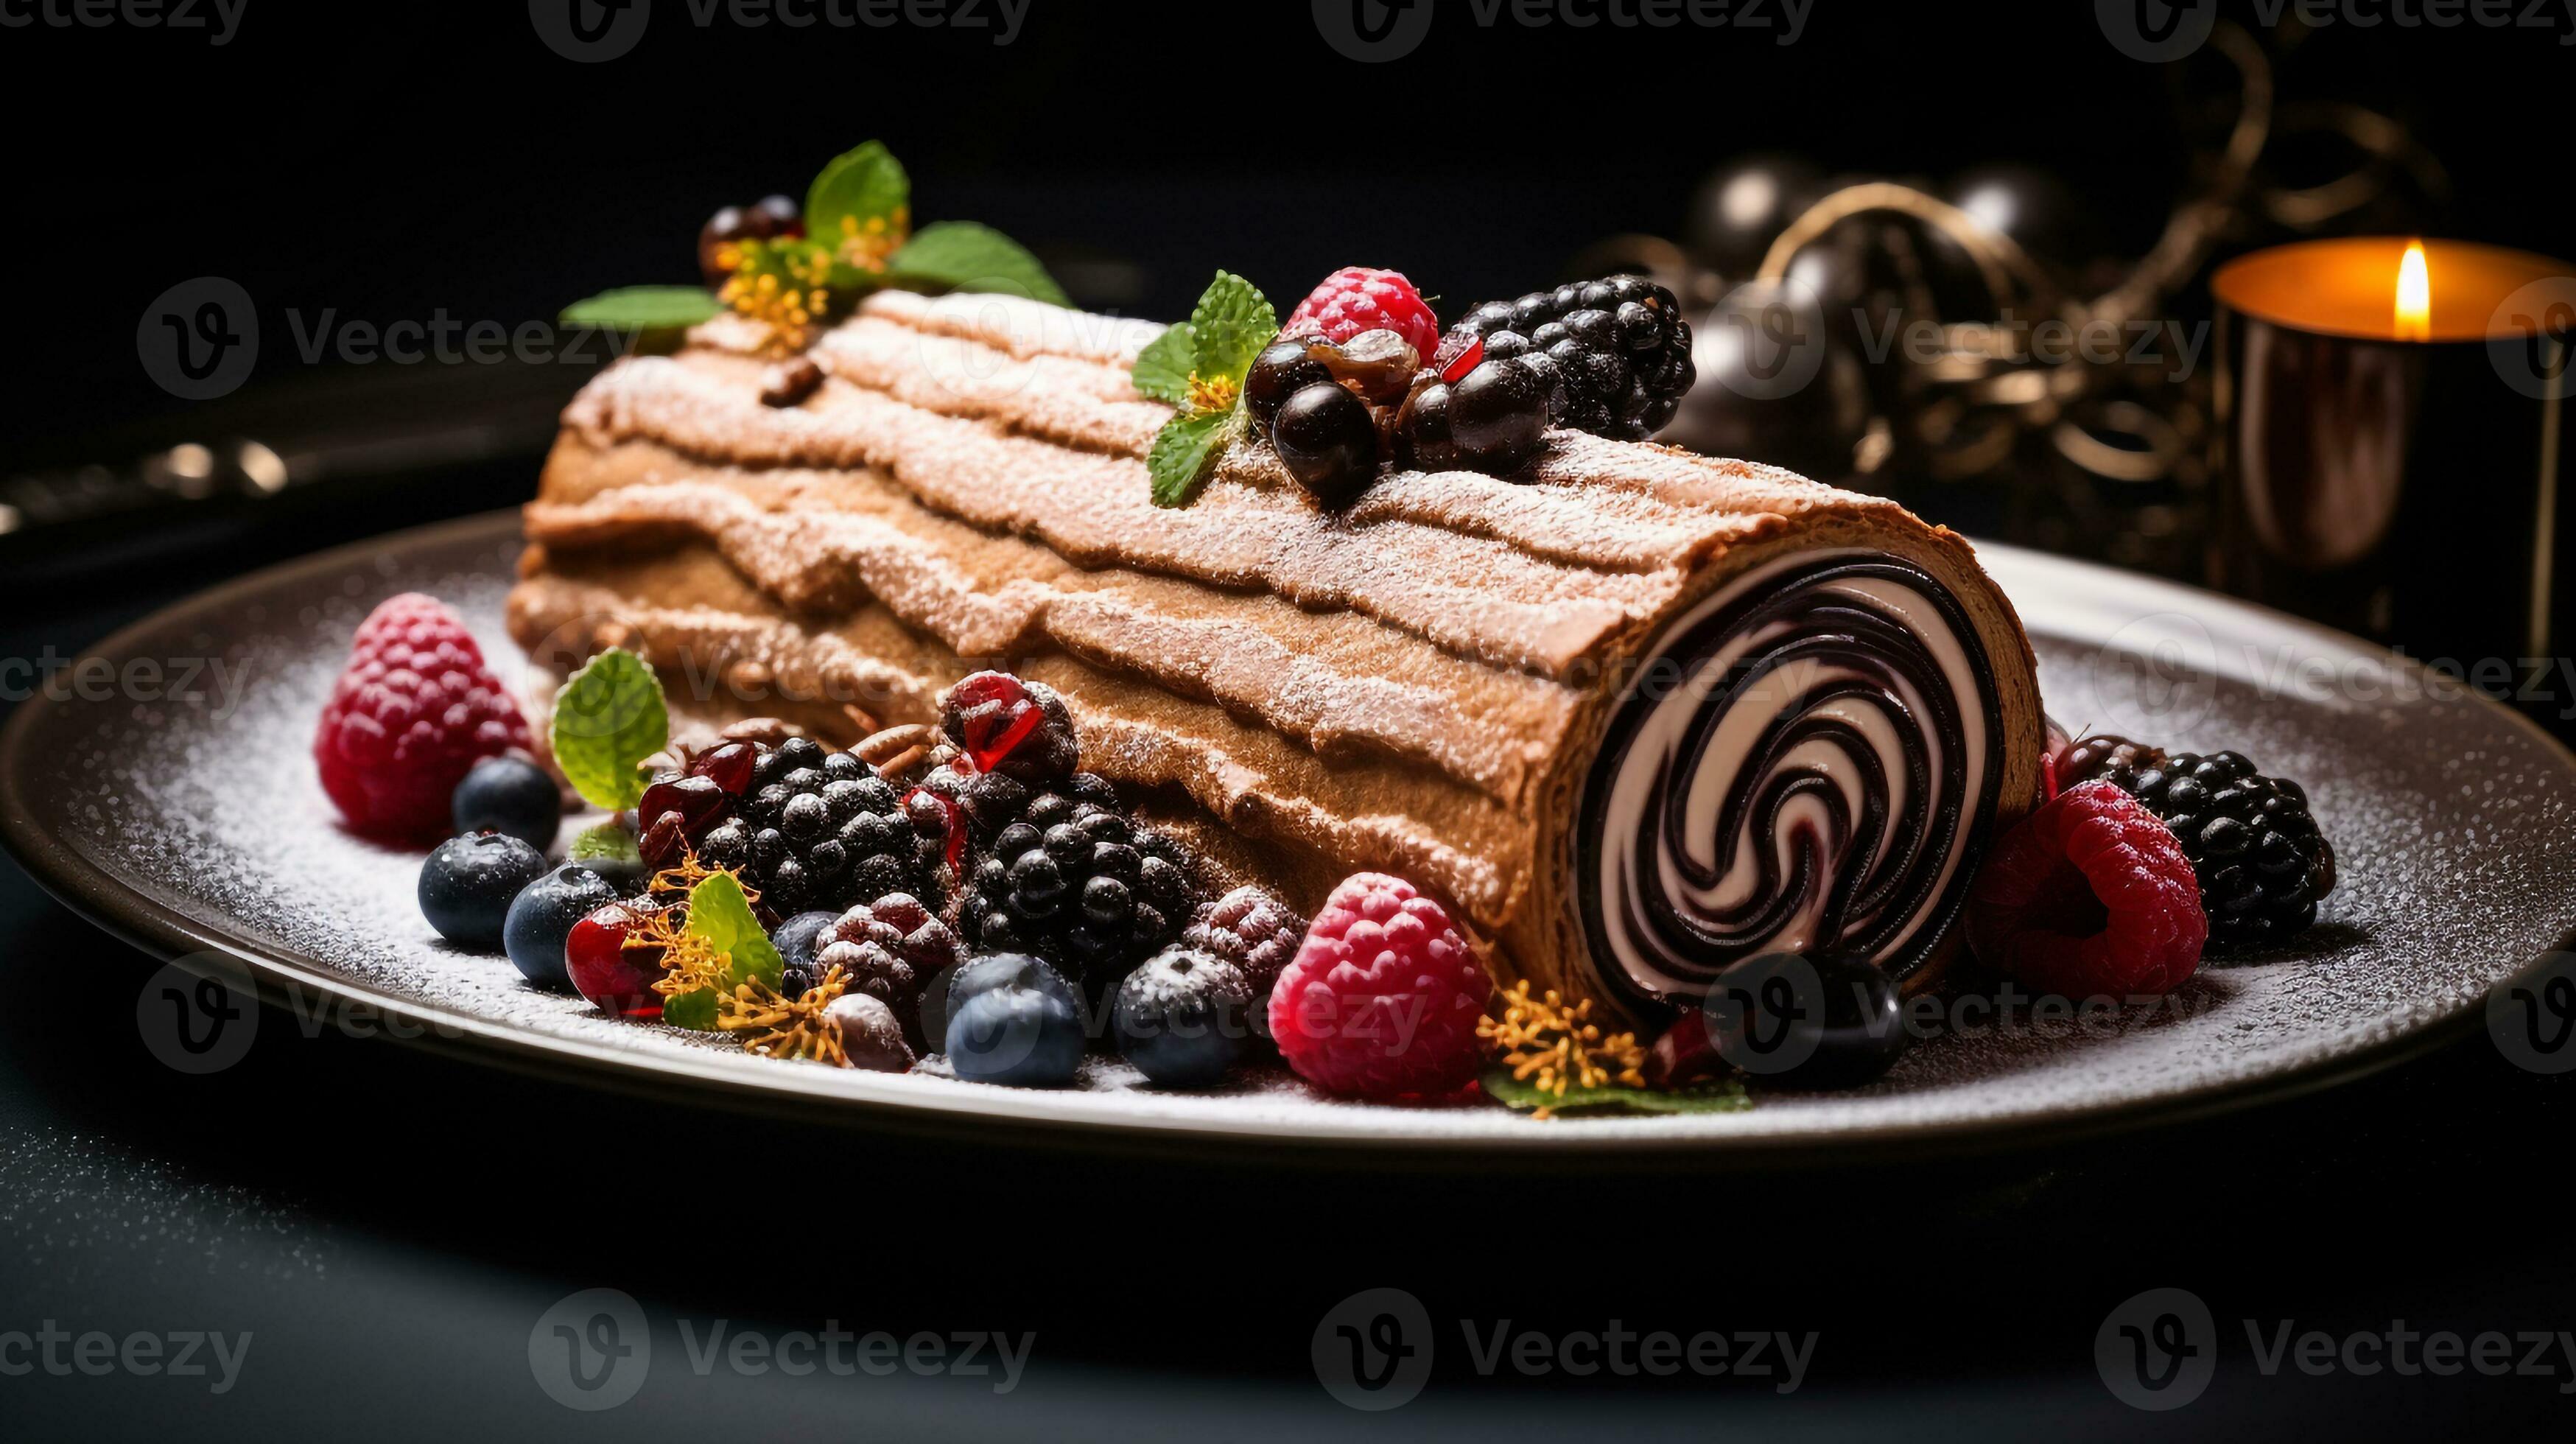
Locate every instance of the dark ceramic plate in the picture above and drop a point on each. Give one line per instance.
(194, 826)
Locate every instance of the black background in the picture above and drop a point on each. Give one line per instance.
(390, 1223)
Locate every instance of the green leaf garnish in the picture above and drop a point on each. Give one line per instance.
(1722, 1095)
(720, 916)
(720, 912)
(1163, 367)
(609, 717)
(1199, 366)
(1230, 325)
(644, 308)
(859, 186)
(1184, 451)
(608, 842)
(858, 239)
(965, 256)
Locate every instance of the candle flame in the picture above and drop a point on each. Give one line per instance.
(2414, 296)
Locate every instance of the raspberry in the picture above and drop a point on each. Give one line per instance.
(2090, 895)
(891, 949)
(1251, 929)
(1382, 998)
(412, 714)
(2262, 863)
(1364, 298)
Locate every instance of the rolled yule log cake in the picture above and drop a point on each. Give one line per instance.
(1636, 713)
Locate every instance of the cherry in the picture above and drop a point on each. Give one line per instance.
(728, 765)
(1328, 441)
(700, 800)
(612, 975)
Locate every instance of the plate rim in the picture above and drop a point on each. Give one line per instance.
(110, 903)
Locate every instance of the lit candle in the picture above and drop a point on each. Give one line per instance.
(2390, 412)
(2414, 296)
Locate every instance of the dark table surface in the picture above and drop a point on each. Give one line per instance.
(389, 1227)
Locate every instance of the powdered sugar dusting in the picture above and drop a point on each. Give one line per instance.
(2450, 822)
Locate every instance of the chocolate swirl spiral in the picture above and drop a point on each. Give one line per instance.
(1808, 759)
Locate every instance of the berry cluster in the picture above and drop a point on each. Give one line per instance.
(1319, 403)
(802, 827)
(1611, 357)
(2262, 864)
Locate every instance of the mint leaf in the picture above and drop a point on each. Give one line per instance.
(1184, 452)
(1231, 324)
(860, 185)
(1163, 367)
(643, 308)
(1723, 1095)
(691, 1010)
(607, 842)
(720, 913)
(609, 717)
(965, 256)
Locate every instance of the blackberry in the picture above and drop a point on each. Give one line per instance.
(1074, 881)
(892, 949)
(1616, 352)
(1252, 929)
(2262, 864)
(816, 830)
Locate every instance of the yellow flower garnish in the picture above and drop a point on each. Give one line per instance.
(1559, 1045)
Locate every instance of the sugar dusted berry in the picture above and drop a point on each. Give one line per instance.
(542, 917)
(1013, 1020)
(871, 1037)
(894, 948)
(1364, 298)
(1182, 1018)
(2089, 896)
(1251, 928)
(509, 794)
(468, 882)
(1019, 729)
(414, 711)
(1383, 996)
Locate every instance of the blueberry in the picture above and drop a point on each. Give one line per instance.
(1817, 1020)
(941, 998)
(467, 884)
(798, 941)
(1015, 1023)
(542, 916)
(1182, 1018)
(509, 795)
